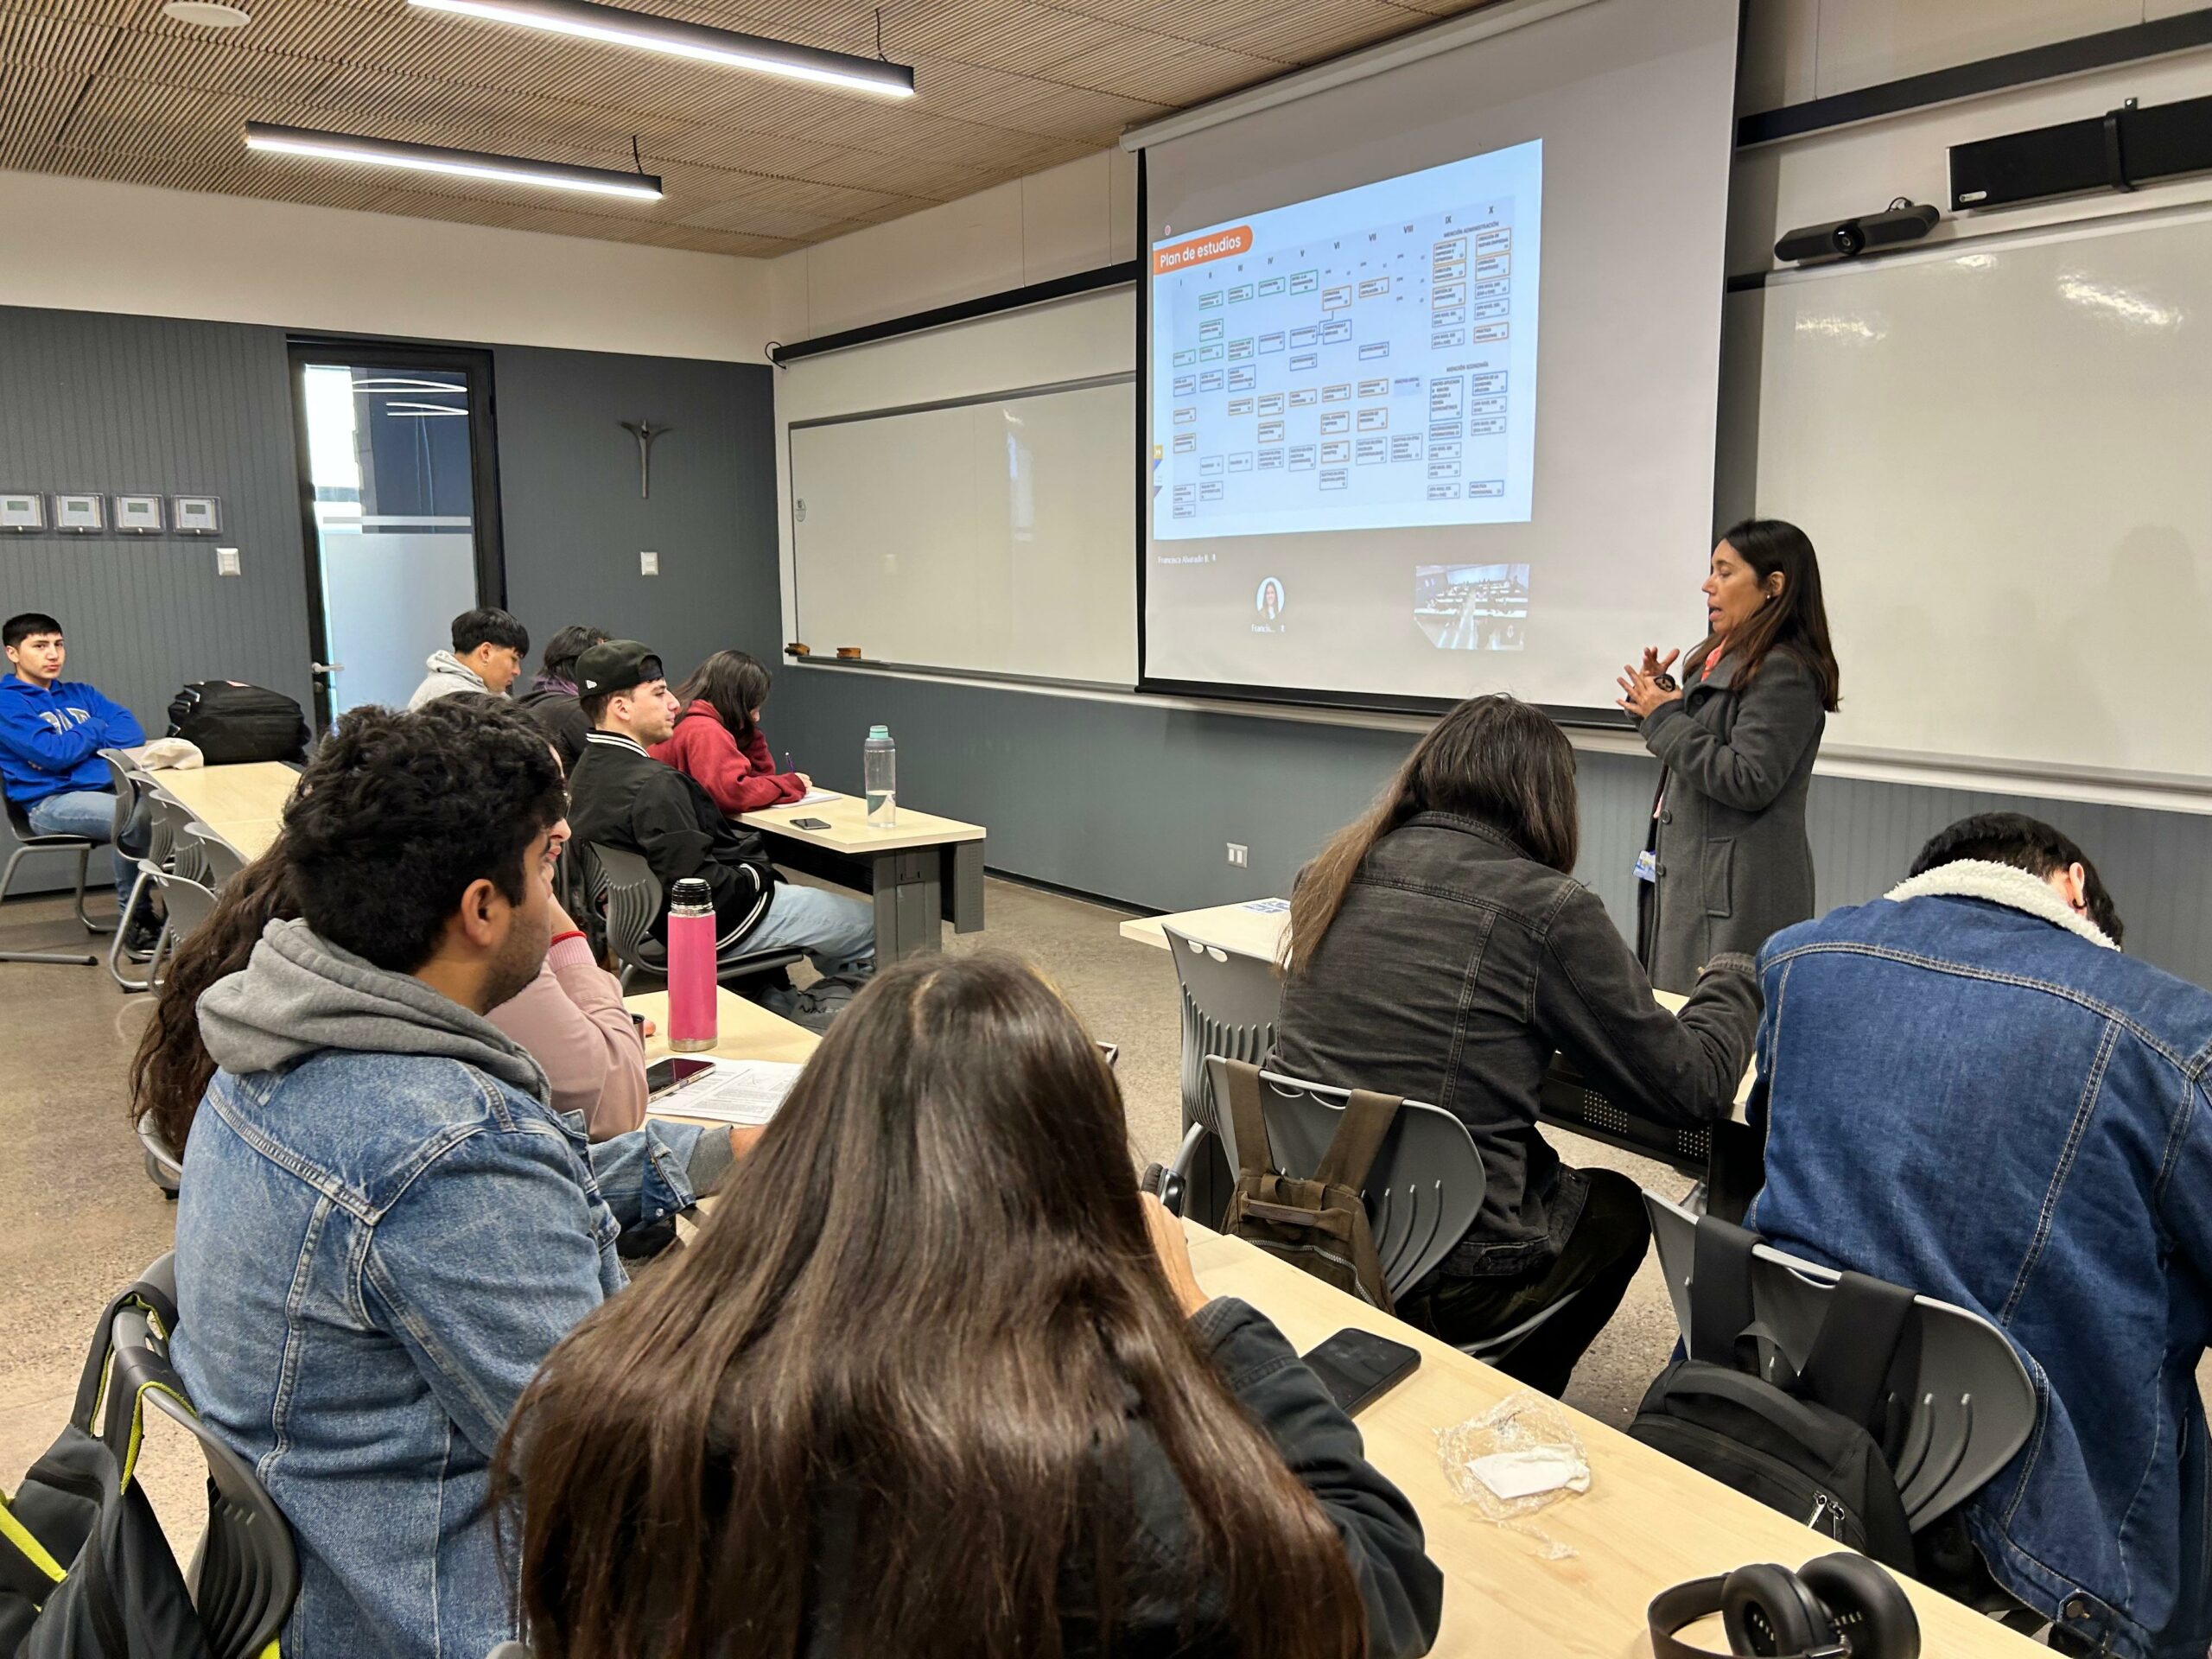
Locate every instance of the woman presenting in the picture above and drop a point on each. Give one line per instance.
(1728, 863)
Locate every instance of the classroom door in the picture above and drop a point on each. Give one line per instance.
(399, 498)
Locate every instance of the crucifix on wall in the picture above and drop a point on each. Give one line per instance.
(646, 432)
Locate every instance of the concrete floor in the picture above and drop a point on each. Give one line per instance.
(79, 1218)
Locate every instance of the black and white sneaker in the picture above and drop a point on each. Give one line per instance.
(141, 938)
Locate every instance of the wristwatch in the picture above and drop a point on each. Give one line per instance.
(1666, 683)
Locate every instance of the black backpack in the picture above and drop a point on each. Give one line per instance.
(233, 722)
(1816, 1444)
(84, 1569)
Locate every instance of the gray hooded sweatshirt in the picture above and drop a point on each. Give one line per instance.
(448, 675)
(299, 994)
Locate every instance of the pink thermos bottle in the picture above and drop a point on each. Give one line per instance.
(690, 966)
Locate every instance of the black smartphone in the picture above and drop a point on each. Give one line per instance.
(666, 1077)
(1359, 1368)
(810, 823)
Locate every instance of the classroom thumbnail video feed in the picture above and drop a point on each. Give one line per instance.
(1473, 606)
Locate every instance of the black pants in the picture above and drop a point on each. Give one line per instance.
(1601, 1255)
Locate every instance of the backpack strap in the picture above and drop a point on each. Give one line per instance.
(1866, 1354)
(1366, 1124)
(1720, 1290)
(1246, 1122)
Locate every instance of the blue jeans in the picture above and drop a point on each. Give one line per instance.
(836, 932)
(90, 812)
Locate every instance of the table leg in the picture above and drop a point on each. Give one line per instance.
(966, 910)
(908, 899)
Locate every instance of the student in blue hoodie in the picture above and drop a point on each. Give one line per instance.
(51, 733)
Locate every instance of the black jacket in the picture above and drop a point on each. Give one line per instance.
(1456, 966)
(561, 717)
(1401, 1589)
(621, 796)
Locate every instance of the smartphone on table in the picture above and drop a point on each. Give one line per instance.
(666, 1077)
(1359, 1368)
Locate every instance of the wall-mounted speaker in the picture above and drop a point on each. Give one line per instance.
(2118, 151)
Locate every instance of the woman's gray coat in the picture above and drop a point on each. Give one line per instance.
(1734, 865)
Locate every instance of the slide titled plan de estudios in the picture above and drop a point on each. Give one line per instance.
(1365, 360)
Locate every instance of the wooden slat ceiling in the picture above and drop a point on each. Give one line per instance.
(111, 89)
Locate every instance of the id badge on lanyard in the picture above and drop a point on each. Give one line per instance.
(1647, 866)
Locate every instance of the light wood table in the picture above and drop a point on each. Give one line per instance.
(1646, 1522)
(924, 870)
(1256, 929)
(743, 1031)
(220, 797)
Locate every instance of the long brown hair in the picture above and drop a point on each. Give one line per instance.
(1495, 758)
(1796, 619)
(921, 1309)
(733, 684)
(171, 1069)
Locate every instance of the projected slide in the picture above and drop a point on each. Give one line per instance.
(1365, 360)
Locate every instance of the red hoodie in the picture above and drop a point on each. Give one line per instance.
(741, 780)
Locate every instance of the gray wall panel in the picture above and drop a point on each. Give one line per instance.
(93, 402)
(574, 523)
(1136, 803)
(151, 405)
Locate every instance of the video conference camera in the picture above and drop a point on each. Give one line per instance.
(1846, 239)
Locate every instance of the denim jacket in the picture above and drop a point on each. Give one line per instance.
(381, 1231)
(1972, 1094)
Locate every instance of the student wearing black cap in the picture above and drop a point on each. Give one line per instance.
(621, 796)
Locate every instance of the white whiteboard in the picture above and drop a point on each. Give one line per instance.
(2002, 452)
(996, 536)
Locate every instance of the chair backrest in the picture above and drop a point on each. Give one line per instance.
(129, 778)
(627, 893)
(1229, 1004)
(165, 827)
(1423, 1190)
(220, 860)
(188, 904)
(247, 1572)
(1975, 1406)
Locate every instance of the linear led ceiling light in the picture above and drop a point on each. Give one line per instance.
(616, 27)
(467, 163)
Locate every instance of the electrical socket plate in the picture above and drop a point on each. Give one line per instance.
(649, 564)
(1237, 851)
(226, 562)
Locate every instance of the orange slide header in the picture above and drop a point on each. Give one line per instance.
(1198, 249)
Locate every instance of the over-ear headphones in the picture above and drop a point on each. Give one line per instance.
(1840, 1606)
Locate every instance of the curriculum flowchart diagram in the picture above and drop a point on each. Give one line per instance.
(1362, 361)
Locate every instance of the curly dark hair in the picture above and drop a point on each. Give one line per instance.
(2027, 844)
(172, 1068)
(397, 813)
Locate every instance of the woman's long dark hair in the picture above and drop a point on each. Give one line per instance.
(1496, 759)
(733, 685)
(1796, 619)
(903, 1351)
(171, 1069)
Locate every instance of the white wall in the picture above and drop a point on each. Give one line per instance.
(1795, 50)
(235, 259)
(1072, 217)
(1858, 169)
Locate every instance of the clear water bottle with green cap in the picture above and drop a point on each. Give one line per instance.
(880, 776)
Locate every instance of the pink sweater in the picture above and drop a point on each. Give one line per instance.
(572, 1020)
